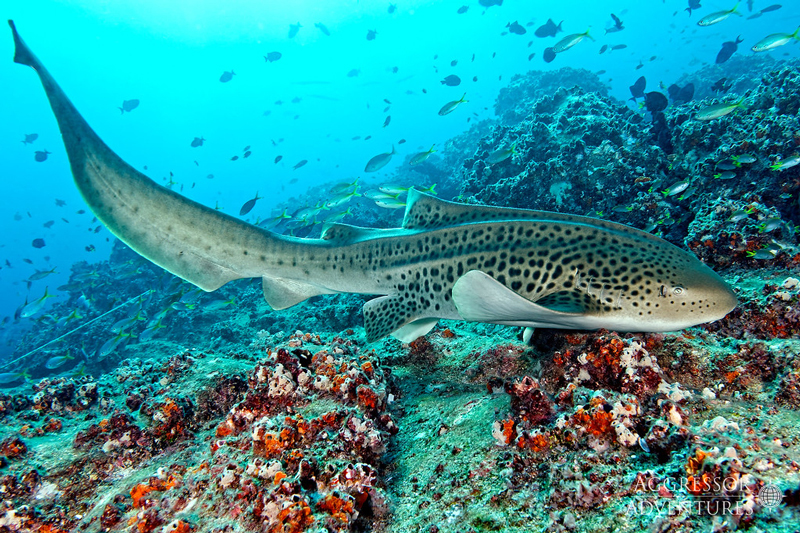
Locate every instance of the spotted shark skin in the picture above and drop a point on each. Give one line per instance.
(449, 261)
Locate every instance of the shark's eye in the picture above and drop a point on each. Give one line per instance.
(678, 290)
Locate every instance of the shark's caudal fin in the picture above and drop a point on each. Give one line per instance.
(192, 241)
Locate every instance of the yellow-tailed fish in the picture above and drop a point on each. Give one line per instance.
(422, 156)
(775, 40)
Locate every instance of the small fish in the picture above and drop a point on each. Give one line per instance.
(11, 377)
(502, 154)
(765, 254)
(637, 89)
(35, 306)
(41, 274)
(619, 47)
(227, 76)
(391, 203)
(216, 305)
(392, 8)
(490, 3)
(693, 4)
(150, 331)
(725, 175)
(451, 106)
(726, 164)
(716, 111)
(744, 159)
(353, 73)
(293, 29)
(570, 40)
(722, 86)
(249, 205)
(40, 156)
(675, 188)
(271, 57)
(728, 49)
(783, 164)
(30, 137)
(371, 35)
(618, 26)
(387, 121)
(234, 158)
(548, 29)
(463, 9)
(549, 54)
(422, 156)
(197, 141)
(401, 141)
(770, 224)
(688, 193)
(775, 40)
(451, 81)
(57, 361)
(300, 163)
(128, 105)
(718, 16)
(516, 28)
(379, 161)
(341, 199)
(739, 215)
(655, 102)
(323, 28)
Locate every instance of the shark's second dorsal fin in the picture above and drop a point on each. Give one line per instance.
(347, 234)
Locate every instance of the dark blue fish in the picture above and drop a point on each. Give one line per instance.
(451, 81)
(293, 29)
(693, 4)
(30, 137)
(549, 54)
(128, 105)
(548, 29)
(197, 141)
(272, 57)
(40, 156)
(323, 28)
(516, 28)
(371, 35)
(637, 89)
(490, 3)
(462, 10)
(728, 49)
(227, 76)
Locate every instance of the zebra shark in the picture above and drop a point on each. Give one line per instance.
(449, 260)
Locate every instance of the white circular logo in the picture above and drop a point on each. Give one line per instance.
(770, 496)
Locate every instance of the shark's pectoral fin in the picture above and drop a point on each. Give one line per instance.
(281, 293)
(480, 298)
(396, 316)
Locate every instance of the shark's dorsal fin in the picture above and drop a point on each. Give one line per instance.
(281, 293)
(480, 298)
(338, 233)
(426, 212)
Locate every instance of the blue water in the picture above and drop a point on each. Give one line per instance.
(170, 56)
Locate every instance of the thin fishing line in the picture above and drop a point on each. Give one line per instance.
(123, 304)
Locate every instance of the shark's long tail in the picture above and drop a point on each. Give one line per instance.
(195, 242)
